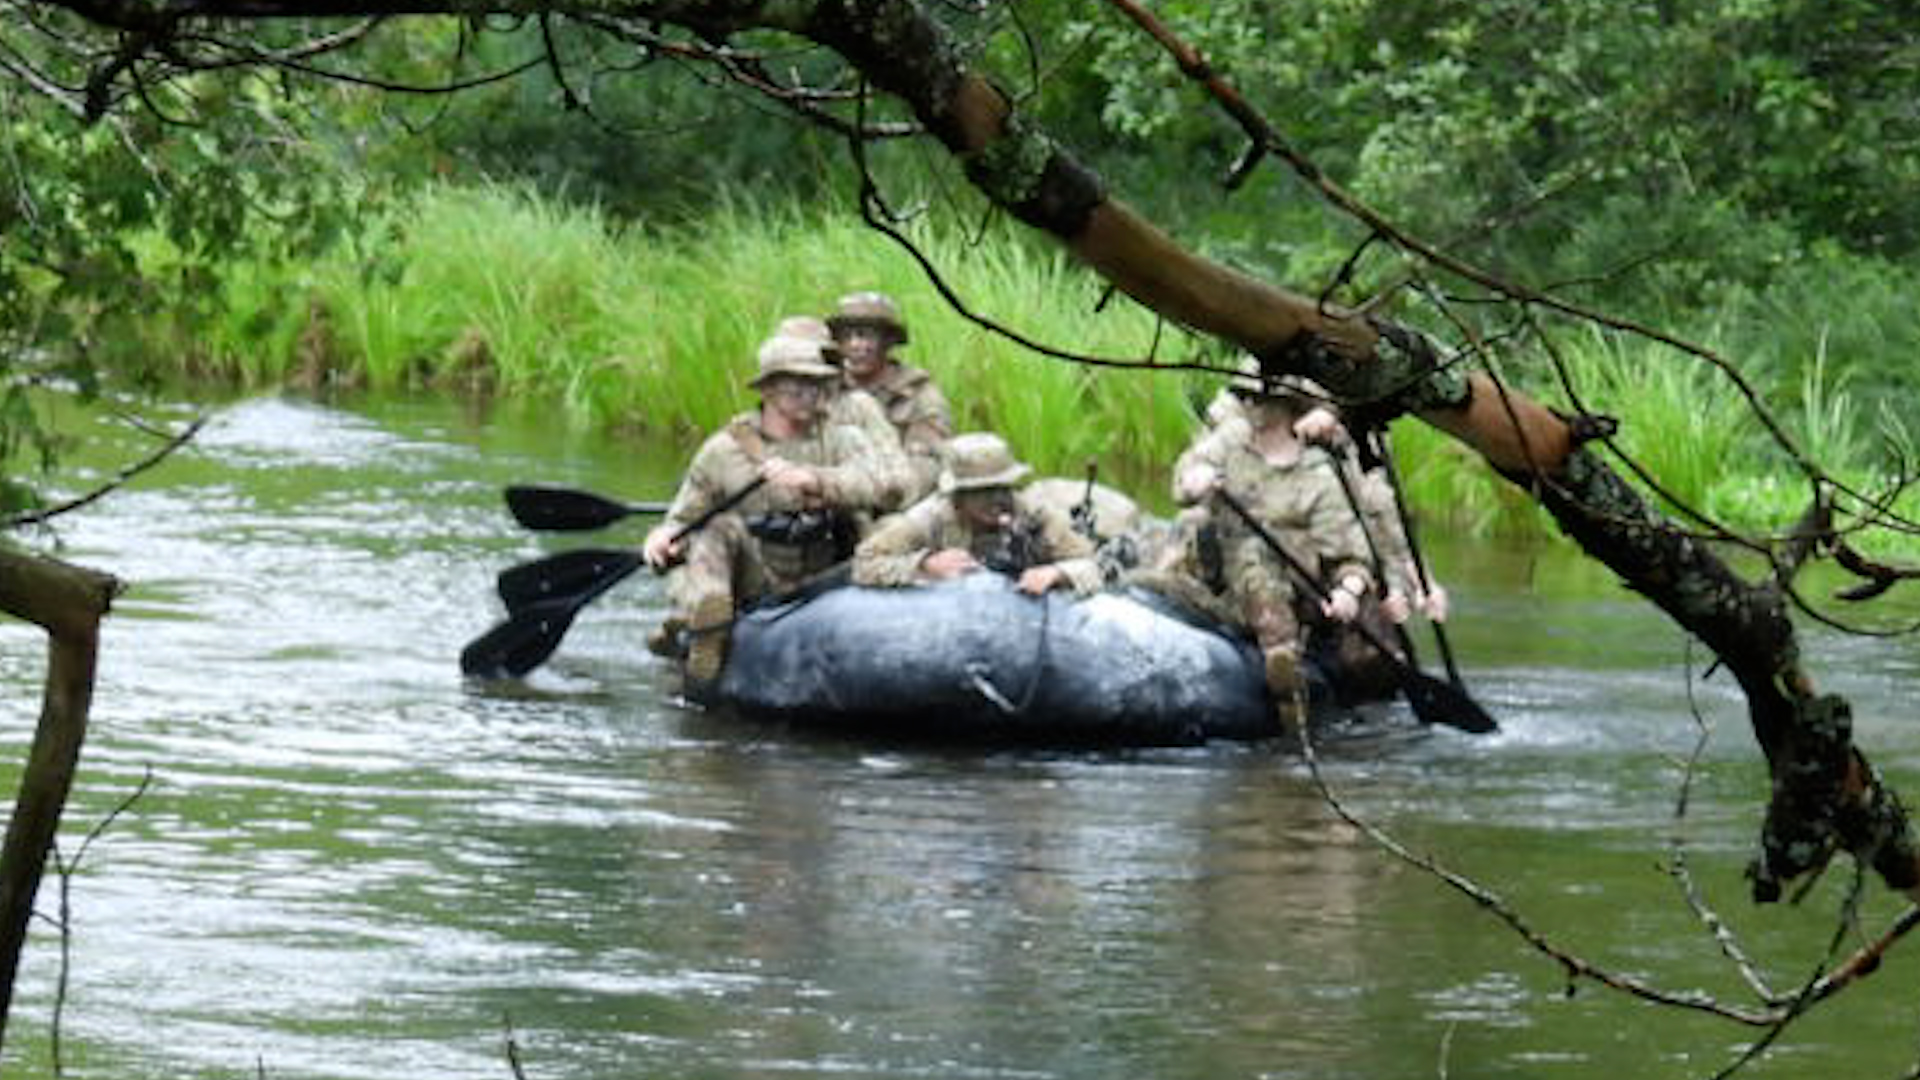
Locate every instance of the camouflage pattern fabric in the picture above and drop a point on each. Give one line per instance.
(724, 558)
(1300, 503)
(920, 415)
(892, 555)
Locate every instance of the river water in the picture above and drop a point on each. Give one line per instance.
(347, 863)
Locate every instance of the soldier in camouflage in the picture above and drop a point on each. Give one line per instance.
(1291, 488)
(796, 525)
(857, 408)
(1406, 587)
(867, 328)
(979, 520)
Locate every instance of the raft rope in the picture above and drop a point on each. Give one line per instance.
(977, 671)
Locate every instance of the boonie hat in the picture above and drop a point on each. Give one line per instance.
(868, 309)
(812, 328)
(978, 460)
(784, 354)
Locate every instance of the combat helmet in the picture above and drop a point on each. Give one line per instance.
(868, 309)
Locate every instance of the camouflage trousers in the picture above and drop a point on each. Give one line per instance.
(1261, 590)
(725, 560)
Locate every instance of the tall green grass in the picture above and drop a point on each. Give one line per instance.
(655, 330)
(658, 330)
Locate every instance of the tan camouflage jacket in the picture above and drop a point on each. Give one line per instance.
(857, 408)
(892, 555)
(730, 460)
(1370, 490)
(919, 412)
(1301, 503)
(1383, 524)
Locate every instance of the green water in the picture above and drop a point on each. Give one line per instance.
(350, 864)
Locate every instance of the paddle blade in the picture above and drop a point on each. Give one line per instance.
(568, 573)
(520, 644)
(554, 509)
(533, 632)
(1436, 702)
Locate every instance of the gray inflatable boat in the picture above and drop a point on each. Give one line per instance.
(975, 659)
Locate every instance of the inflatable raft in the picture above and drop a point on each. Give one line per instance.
(975, 659)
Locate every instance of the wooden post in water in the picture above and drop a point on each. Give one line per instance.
(68, 602)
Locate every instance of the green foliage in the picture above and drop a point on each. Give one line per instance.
(657, 329)
(1505, 126)
(1751, 195)
(81, 206)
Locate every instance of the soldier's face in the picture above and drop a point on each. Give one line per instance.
(1267, 412)
(985, 509)
(796, 399)
(863, 350)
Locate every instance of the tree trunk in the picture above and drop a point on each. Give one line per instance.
(68, 602)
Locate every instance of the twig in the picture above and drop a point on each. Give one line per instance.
(36, 517)
(513, 1049)
(64, 869)
(1573, 965)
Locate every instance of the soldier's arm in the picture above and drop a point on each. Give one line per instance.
(932, 422)
(1205, 457)
(700, 489)
(1334, 531)
(894, 470)
(856, 478)
(1070, 551)
(924, 438)
(891, 555)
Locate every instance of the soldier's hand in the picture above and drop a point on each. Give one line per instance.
(1319, 426)
(794, 479)
(1435, 602)
(949, 563)
(1038, 579)
(660, 549)
(1343, 603)
(1197, 481)
(1397, 607)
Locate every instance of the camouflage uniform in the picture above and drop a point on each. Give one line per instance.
(1039, 535)
(857, 408)
(1300, 503)
(892, 470)
(913, 405)
(1377, 504)
(1125, 537)
(726, 558)
(920, 416)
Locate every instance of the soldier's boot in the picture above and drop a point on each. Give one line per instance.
(1286, 687)
(709, 623)
(669, 638)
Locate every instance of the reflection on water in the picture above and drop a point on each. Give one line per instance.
(352, 865)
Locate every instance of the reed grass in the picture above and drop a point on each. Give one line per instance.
(655, 330)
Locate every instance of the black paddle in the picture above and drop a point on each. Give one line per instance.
(1385, 453)
(1433, 701)
(1379, 563)
(565, 574)
(531, 634)
(553, 509)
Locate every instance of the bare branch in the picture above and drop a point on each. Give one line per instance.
(41, 516)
